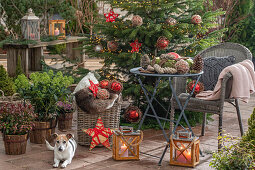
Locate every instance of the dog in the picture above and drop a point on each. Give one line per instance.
(64, 149)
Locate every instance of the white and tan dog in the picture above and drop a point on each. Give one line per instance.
(64, 149)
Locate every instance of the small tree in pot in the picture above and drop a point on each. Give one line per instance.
(65, 115)
(16, 120)
(44, 90)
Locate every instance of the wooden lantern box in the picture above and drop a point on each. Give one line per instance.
(126, 144)
(184, 149)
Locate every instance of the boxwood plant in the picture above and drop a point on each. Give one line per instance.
(44, 90)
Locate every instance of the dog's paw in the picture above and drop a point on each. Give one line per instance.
(55, 165)
(63, 165)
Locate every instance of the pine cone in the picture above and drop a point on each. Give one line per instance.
(198, 64)
(145, 61)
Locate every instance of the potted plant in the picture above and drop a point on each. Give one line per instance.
(16, 120)
(65, 115)
(44, 90)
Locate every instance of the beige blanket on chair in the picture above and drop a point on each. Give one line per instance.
(243, 82)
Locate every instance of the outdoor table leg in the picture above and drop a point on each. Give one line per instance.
(151, 106)
(182, 113)
(150, 101)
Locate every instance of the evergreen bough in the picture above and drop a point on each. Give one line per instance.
(6, 83)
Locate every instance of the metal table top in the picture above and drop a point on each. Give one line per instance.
(137, 72)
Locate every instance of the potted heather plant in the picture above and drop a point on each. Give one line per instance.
(16, 120)
(65, 115)
(44, 90)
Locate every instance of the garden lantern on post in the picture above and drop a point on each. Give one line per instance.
(57, 26)
(30, 26)
(184, 149)
(126, 143)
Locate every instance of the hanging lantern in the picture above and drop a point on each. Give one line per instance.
(126, 143)
(57, 26)
(30, 26)
(184, 149)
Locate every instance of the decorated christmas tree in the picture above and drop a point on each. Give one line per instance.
(150, 27)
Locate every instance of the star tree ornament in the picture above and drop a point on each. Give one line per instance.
(135, 46)
(99, 134)
(110, 17)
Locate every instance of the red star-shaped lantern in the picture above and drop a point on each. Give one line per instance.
(99, 134)
(110, 17)
(135, 46)
(93, 87)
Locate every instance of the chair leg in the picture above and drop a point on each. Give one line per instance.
(203, 125)
(220, 138)
(239, 116)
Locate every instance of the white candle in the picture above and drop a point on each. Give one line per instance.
(122, 149)
(56, 32)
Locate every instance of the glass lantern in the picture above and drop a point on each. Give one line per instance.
(57, 26)
(30, 26)
(126, 144)
(184, 149)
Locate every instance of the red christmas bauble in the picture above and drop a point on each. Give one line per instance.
(196, 19)
(112, 45)
(116, 86)
(133, 114)
(104, 84)
(197, 88)
(162, 43)
(174, 54)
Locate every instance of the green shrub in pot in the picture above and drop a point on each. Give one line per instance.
(44, 90)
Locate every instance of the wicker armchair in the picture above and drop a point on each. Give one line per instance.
(216, 107)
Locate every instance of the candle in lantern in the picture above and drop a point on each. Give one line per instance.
(182, 156)
(32, 35)
(122, 149)
(56, 32)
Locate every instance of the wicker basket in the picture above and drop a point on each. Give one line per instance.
(110, 117)
(15, 99)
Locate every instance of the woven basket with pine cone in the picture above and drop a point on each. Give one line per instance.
(198, 64)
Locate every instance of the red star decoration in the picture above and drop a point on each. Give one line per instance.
(99, 134)
(110, 17)
(93, 87)
(135, 46)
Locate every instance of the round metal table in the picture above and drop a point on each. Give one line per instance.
(170, 77)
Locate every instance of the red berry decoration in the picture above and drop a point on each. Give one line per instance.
(162, 43)
(133, 114)
(116, 86)
(104, 84)
(103, 94)
(199, 87)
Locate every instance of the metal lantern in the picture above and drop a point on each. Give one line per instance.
(126, 144)
(184, 149)
(57, 26)
(30, 26)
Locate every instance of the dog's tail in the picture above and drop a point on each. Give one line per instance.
(49, 146)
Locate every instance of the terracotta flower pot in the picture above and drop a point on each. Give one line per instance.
(42, 131)
(65, 121)
(15, 144)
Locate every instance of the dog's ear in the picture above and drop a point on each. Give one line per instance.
(69, 135)
(54, 135)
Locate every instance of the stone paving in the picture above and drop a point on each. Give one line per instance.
(37, 157)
